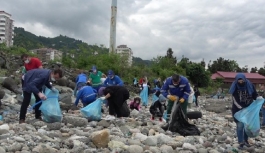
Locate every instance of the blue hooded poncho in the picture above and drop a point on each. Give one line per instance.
(247, 87)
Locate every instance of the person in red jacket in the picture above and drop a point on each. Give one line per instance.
(30, 63)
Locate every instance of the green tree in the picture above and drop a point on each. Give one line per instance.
(222, 64)
(197, 74)
(254, 70)
(262, 71)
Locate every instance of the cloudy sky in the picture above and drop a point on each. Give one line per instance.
(197, 29)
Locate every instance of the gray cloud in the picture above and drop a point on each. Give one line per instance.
(196, 29)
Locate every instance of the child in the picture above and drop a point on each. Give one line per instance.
(135, 104)
(158, 106)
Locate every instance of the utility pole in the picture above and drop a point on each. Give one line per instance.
(112, 43)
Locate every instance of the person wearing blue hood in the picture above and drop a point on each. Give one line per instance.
(243, 93)
(87, 95)
(176, 88)
(113, 80)
(81, 79)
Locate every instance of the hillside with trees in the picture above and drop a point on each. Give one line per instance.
(161, 66)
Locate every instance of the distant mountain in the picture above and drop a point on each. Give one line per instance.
(139, 61)
(30, 41)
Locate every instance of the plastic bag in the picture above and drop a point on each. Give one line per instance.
(92, 111)
(178, 122)
(144, 95)
(165, 115)
(50, 108)
(32, 100)
(249, 116)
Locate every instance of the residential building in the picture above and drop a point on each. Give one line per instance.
(47, 54)
(6, 29)
(125, 51)
(229, 77)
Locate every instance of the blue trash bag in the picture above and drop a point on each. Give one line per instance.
(144, 96)
(50, 108)
(32, 100)
(93, 111)
(165, 115)
(249, 116)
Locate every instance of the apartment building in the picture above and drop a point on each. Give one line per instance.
(125, 51)
(48, 54)
(6, 29)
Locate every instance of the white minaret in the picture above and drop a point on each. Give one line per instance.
(112, 41)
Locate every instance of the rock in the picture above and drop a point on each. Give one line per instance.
(101, 138)
(151, 141)
(134, 149)
(103, 123)
(2, 150)
(2, 94)
(11, 85)
(116, 144)
(139, 136)
(151, 132)
(19, 139)
(62, 82)
(189, 147)
(202, 150)
(75, 121)
(54, 126)
(166, 149)
(14, 147)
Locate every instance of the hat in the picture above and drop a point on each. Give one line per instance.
(94, 68)
(110, 73)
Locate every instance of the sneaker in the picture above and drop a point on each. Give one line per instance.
(21, 121)
(247, 144)
(110, 117)
(39, 118)
(241, 146)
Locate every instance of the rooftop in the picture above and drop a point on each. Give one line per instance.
(233, 75)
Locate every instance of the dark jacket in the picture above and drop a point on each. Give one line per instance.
(35, 79)
(242, 99)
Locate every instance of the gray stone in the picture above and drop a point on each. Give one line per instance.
(103, 123)
(151, 141)
(54, 126)
(75, 121)
(134, 149)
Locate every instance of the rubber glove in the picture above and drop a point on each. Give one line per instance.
(172, 98)
(102, 98)
(181, 100)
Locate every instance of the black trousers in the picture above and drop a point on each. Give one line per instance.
(25, 104)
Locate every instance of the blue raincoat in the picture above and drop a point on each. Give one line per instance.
(144, 95)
